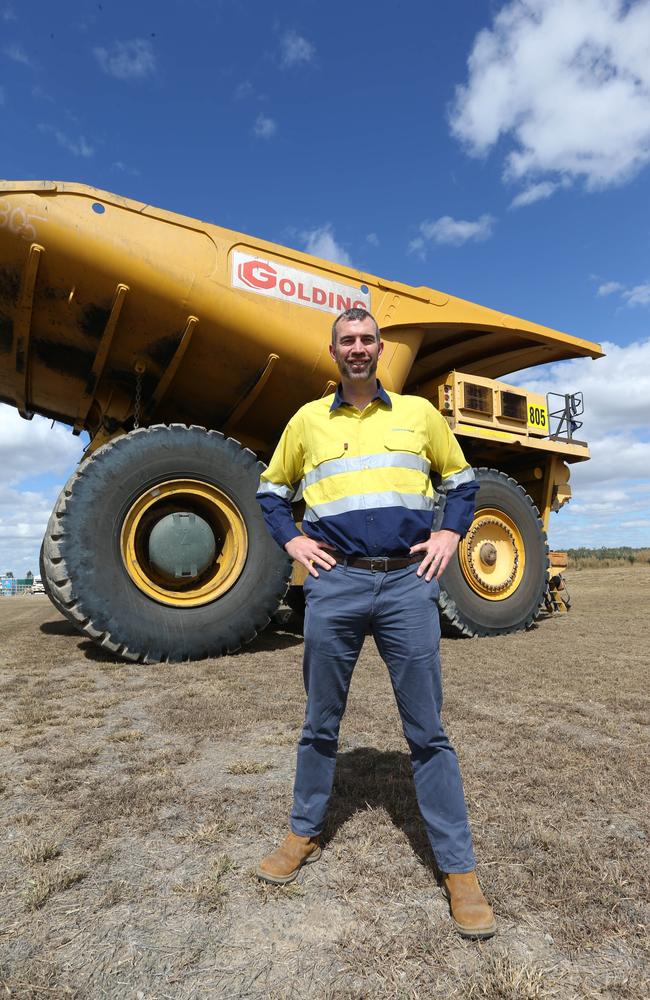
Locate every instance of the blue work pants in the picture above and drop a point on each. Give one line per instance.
(400, 609)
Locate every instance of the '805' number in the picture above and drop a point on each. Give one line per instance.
(18, 221)
(537, 416)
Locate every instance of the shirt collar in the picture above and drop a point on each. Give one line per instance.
(381, 394)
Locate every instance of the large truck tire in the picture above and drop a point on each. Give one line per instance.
(496, 581)
(157, 548)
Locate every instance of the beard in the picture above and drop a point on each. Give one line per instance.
(363, 373)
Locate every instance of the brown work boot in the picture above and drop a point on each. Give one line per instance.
(470, 911)
(286, 861)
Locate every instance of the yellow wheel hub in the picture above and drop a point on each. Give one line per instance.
(210, 505)
(492, 555)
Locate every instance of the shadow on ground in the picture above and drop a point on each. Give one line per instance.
(59, 627)
(93, 651)
(274, 639)
(367, 778)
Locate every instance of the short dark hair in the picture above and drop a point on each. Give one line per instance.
(352, 314)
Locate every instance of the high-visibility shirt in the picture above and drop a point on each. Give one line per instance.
(366, 475)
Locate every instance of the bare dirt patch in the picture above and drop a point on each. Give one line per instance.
(135, 802)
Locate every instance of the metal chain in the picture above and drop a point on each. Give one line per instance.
(138, 399)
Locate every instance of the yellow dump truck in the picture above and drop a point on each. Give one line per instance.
(182, 349)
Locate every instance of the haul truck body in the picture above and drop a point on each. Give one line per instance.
(182, 349)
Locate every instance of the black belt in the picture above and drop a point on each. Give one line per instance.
(378, 564)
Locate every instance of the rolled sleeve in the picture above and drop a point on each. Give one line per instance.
(460, 504)
(277, 487)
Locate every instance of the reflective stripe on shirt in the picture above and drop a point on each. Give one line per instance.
(386, 460)
(286, 492)
(451, 482)
(369, 501)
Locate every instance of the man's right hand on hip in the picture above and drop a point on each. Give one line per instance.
(310, 553)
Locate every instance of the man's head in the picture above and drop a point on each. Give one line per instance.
(356, 345)
(354, 314)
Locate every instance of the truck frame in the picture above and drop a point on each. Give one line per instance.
(182, 349)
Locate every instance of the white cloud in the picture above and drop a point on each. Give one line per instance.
(614, 486)
(609, 287)
(638, 296)
(452, 232)
(417, 246)
(124, 168)
(566, 85)
(8, 13)
(321, 243)
(17, 54)
(23, 519)
(536, 192)
(614, 457)
(129, 60)
(265, 127)
(295, 50)
(30, 449)
(372, 239)
(78, 147)
(596, 516)
(42, 95)
(244, 90)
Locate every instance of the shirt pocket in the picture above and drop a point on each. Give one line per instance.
(327, 451)
(406, 453)
(409, 441)
(327, 459)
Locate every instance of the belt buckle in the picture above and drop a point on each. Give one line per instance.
(379, 564)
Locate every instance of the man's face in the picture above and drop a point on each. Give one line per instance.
(356, 351)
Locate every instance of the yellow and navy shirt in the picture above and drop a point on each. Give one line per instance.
(367, 476)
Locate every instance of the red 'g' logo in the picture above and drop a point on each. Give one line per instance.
(257, 274)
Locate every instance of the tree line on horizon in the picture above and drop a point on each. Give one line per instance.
(607, 556)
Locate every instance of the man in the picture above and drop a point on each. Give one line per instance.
(362, 461)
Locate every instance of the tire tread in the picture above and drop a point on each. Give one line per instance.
(59, 586)
(452, 618)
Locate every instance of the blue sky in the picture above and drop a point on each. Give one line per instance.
(497, 152)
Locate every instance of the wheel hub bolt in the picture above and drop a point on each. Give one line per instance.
(488, 554)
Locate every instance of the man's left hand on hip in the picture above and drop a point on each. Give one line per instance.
(438, 550)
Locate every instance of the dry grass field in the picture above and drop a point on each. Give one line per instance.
(135, 802)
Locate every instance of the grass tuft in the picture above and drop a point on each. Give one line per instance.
(50, 882)
(40, 851)
(126, 736)
(249, 767)
(209, 833)
(211, 891)
(119, 891)
(501, 977)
